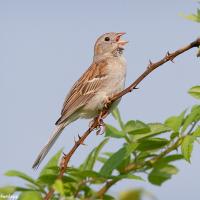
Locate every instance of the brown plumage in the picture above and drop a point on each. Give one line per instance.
(104, 78)
(83, 90)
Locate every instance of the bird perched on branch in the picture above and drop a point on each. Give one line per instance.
(103, 79)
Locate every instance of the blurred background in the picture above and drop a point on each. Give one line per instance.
(46, 45)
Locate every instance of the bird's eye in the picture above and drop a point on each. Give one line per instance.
(107, 39)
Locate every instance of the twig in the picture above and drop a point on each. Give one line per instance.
(151, 67)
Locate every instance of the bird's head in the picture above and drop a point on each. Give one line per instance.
(108, 43)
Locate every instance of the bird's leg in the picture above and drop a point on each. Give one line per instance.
(103, 114)
(101, 124)
(107, 102)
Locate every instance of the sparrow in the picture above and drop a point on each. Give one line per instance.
(103, 79)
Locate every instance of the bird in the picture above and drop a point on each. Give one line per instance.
(103, 79)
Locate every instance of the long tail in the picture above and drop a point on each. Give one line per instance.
(56, 133)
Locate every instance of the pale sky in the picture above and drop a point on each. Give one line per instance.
(46, 45)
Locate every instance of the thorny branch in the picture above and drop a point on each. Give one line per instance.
(96, 122)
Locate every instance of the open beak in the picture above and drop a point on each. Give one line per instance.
(119, 40)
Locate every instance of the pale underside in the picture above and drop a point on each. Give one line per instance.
(88, 95)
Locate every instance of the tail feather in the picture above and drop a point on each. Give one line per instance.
(56, 133)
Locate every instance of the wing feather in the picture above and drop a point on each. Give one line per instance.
(83, 90)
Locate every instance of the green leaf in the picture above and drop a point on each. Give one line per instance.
(162, 173)
(86, 173)
(152, 144)
(92, 157)
(108, 154)
(30, 195)
(53, 162)
(170, 158)
(143, 155)
(111, 131)
(136, 127)
(49, 179)
(174, 135)
(155, 129)
(128, 176)
(198, 53)
(192, 17)
(187, 146)
(22, 189)
(175, 122)
(6, 192)
(96, 177)
(195, 91)
(116, 159)
(108, 197)
(117, 116)
(135, 194)
(196, 133)
(126, 161)
(192, 117)
(22, 176)
(58, 186)
(102, 159)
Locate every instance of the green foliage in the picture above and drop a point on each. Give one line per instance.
(6, 192)
(198, 53)
(51, 166)
(30, 195)
(136, 127)
(113, 132)
(195, 91)
(193, 17)
(175, 122)
(20, 175)
(161, 173)
(187, 146)
(131, 194)
(91, 159)
(148, 148)
(59, 187)
(117, 158)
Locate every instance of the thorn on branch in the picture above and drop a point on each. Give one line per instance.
(133, 88)
(64, 154)
(150, 64)
(79, 137)
(79, 140)
(169, 56)
(172, 60)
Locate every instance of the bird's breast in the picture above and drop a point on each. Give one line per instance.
(116, 73)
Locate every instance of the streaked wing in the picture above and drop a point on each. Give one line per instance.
(83, 90)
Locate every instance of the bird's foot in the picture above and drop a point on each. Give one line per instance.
(100, 128)
(101, 124)
(107, 102)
